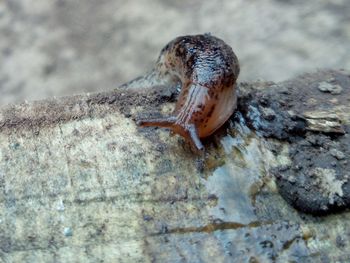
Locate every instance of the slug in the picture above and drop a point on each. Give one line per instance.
(207, 69)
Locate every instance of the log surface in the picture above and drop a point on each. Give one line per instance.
(80, 182)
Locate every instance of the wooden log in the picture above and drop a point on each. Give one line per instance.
(80, 182)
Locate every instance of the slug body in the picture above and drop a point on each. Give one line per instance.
(207, 69)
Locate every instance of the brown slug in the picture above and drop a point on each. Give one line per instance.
(207, 69)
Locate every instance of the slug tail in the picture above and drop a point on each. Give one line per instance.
(152, 79)
(188, 131)
(147, 81)
(161, 122)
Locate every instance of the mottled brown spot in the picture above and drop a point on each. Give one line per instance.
(191, 61)
(180, 52)
(201, 106)
(211, 93)
(211, 111)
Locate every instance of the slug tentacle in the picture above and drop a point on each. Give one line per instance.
(207, 69)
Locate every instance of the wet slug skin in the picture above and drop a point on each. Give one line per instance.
(207, 69)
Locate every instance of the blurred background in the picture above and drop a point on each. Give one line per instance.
(62, 47)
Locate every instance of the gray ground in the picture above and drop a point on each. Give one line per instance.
(58, 47)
